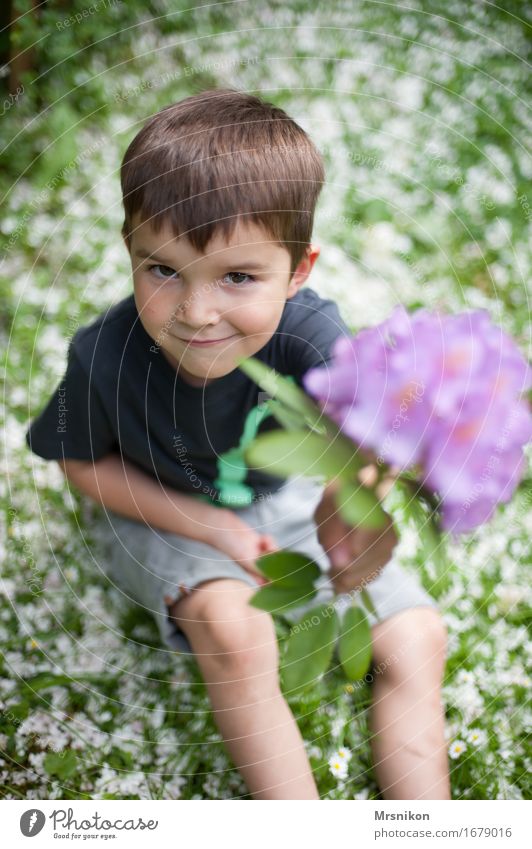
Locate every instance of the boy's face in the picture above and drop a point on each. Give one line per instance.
(207, 311)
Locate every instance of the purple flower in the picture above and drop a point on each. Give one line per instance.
(441, 393)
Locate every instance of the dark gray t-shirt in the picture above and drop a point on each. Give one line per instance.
(120, 394)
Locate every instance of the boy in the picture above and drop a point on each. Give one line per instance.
(219, 194)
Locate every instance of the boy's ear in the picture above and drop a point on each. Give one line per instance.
(303, 269)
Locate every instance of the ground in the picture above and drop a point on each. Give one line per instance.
(421, 118)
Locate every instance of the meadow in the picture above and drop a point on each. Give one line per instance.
(422, 119)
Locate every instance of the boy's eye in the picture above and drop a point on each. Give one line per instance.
(162, 271)
(239, 274)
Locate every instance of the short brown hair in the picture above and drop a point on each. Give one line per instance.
(205, 161)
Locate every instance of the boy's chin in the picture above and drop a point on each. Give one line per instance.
(200, 377)
(194, 373)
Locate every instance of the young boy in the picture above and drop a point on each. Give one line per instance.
(219, 194)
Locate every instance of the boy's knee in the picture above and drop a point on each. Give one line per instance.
(226, 632)
(242, 644)
(411, 647)
(433, 633)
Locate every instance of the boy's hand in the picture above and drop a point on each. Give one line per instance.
(243, 544)
(357, 555)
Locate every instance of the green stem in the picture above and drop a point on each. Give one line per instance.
(418, 490)
(366, 600)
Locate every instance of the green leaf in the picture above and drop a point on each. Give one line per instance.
(289, 568)
(19, 711)
(291, 406)
(47, 679)
(434, 547)
(120, 759)
(61, 764)
(309, 648)
(286, 417)
(292, 452)
(360, 507)
(282, 388)
(354, 646)
(277, 597)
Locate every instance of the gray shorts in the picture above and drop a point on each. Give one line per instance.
(149, 565)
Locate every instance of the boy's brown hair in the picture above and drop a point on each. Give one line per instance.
(218, 155)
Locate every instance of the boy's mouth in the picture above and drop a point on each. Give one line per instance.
(201, 342)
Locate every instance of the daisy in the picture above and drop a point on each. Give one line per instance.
(477, 737)
(344, 754)
(456, 749)
(338, 767)
(465, 677)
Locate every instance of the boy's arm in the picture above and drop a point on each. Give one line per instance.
(125, 489)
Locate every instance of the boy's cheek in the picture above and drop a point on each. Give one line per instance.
(260, 318)
(153, 309)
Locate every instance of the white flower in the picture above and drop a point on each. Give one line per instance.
(314, 752)
(509, 596)
(133, 784)
(456, 749)
(464, 676)
(36, 759)
(364, 794)
(338, 766)
(126, 784)
(507, 790)
(344, 754)
(408, 543)
(477, 737)
(337, 726)
(173, 788)
(7, 587)
(467, 699)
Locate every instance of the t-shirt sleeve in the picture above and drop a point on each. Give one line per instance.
(308, 338)
(74, 424)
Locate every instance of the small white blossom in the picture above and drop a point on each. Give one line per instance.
(337, 726)
(338, 766)
(456, 749)
(477, 737)
(364, 794)
(314, 752)
(464, 676)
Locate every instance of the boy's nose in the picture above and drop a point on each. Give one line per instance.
(197, 310)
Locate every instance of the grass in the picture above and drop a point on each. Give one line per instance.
(420, 118)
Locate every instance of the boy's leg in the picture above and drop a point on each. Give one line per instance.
(236, 648)
(407, 717)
